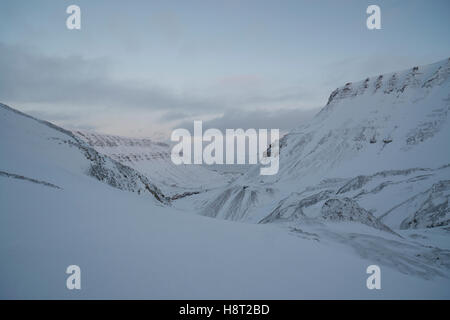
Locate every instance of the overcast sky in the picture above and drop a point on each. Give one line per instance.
(141, 68)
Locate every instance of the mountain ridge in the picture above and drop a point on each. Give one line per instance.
(378, 129)
(98, 166)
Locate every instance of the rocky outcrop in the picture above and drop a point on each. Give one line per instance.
(346, 209)
(433, 211)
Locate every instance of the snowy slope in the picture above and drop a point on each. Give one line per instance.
(388, 122)
(127, 247)
(386, 137)
(153, 160)
(39, 150)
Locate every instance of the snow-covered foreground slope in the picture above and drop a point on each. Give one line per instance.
(128, 247)
(153, 160)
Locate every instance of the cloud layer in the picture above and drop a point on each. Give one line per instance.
(83, 93)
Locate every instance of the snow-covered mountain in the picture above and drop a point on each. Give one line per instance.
(382, 142)
(37, 150)
(153, 160)
(63, 203)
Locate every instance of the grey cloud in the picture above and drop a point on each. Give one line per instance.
(27, 76)
(175, 115)
(284, 119)
(75, 88)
